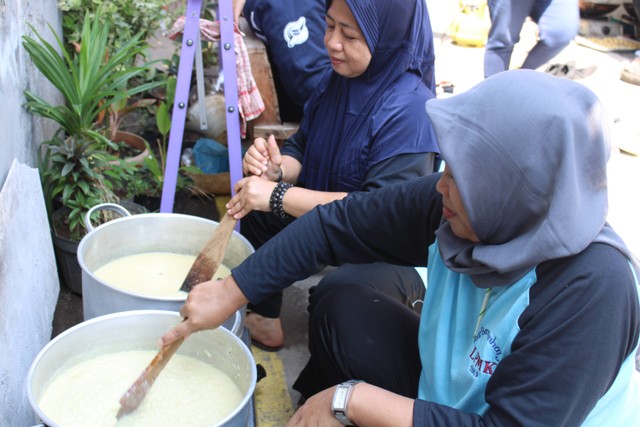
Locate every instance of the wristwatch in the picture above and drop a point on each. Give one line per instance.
(341, 401)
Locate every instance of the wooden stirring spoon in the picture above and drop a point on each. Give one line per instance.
(202, 269)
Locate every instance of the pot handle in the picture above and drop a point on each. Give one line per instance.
(102, 207)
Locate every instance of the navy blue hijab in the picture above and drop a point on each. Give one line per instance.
(352, 124)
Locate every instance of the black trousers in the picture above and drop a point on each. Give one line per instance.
(399, 282)
(358, 332)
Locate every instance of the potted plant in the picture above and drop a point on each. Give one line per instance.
(90, 81)
(132, 145)
(127, 19)
(76, 174)
(77, 169)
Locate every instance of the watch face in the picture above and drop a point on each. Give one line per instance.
(340, 396)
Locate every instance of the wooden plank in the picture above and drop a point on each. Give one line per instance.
(280, 131)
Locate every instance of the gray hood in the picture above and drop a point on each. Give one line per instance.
(528, 152)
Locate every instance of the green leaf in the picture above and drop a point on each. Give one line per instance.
(172, 83)
(163, 120)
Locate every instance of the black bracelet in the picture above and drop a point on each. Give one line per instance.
(275, 202)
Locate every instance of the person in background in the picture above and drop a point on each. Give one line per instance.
(293, 32)
(363, 128)
(531, 315)
(558, 22)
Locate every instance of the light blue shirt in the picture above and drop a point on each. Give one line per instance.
(460, 349)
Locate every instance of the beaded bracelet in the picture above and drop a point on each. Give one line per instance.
(275, 202)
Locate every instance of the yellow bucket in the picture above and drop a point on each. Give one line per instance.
(470, 27)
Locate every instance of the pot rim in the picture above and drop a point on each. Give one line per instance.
(140, 217)
(42, 417)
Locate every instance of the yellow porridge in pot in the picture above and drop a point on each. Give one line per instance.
(188, 392)
(158, 274)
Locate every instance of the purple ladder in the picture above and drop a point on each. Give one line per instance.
(190, 37)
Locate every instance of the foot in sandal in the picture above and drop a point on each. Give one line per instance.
(266, 333)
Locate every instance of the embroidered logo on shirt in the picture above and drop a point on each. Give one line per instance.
(296, 32)
(485, 355)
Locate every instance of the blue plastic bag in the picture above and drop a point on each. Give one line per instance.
(210, 156)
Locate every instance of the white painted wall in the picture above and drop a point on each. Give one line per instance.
(28, 289)
(28, 279)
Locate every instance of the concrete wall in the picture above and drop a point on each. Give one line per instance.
(20, 133)
(28, 280)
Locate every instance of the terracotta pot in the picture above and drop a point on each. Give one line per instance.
(134, 141)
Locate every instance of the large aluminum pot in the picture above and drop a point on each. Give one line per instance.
(154, 232)
(139, 330)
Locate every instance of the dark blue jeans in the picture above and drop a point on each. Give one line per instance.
(558, 22)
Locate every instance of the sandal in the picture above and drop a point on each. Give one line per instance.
(553, 69)
(562, 70)
(569, 70)
(264, 347)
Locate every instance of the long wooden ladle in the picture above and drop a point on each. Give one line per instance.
(203, 269)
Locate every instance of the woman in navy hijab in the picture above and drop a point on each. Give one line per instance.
(363, 128)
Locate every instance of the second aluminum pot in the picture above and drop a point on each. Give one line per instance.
(140, 330)
(136, 234)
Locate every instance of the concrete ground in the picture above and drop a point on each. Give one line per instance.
(462, 67)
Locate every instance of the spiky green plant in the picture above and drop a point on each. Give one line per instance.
(90, 81)
(75, 167)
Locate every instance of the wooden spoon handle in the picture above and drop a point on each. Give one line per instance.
(203, 269)
(210, 257)
(138, 390)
